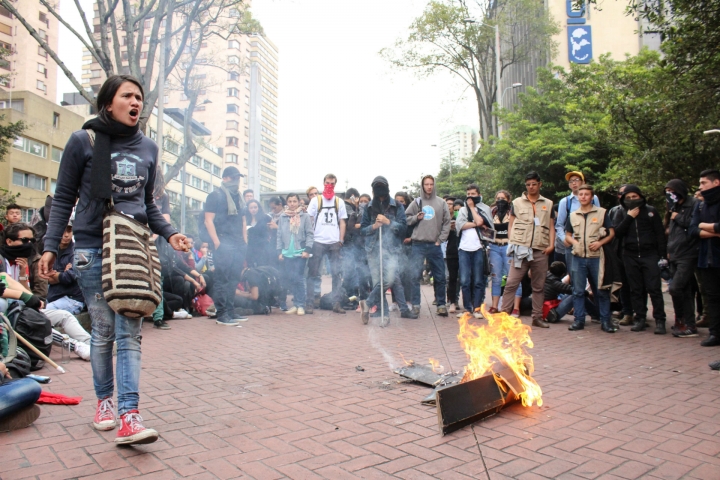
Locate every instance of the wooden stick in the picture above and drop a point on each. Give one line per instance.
(39, 353)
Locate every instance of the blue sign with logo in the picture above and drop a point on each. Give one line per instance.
(429, 212)
(580, 44)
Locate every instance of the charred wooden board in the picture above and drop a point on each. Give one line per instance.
(421, 374)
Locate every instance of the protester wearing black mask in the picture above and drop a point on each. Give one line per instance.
(616, 214)
(682, 255)
(20, 260)
(705, 225)
(643, 245)
(225, 223)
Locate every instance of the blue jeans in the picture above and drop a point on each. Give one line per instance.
(588, 269)
(472, 278)
(500, 266)
(568, 301)
(391, 279)
(229, 259)
(66, 303)
(17, 394)
(433, 254)
(294, 272)
(568, 259)
(107, 327)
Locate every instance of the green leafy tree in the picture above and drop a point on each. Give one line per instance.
(458, 37)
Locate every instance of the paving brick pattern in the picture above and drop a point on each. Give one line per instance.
(281, 398)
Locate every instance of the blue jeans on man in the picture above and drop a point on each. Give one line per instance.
(567, 302)
(391, 279)
(472, 278)
(109, 327)
(588, 269)
(434, 256)
(17, 394)
(294, 272)
(66, 303)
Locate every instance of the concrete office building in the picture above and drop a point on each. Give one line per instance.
(237, 102)
(458, 143)
(585, 34)
(28, 67)
(32, 164)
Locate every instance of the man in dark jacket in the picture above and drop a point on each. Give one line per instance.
(705, 225)
(643, 245)
(64, 291)
(616, 214)
(682, 255)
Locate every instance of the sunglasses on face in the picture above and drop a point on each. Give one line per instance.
(24, 240)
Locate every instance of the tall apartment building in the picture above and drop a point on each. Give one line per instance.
(238, 102)
(458, 143)
(585, 34)
(31, 166)
(28, 67)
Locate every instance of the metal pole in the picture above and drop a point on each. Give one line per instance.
(382, 286)
(497, 74)
(161, 105)
(182, 202)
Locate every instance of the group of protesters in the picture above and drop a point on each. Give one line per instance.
(551, 259)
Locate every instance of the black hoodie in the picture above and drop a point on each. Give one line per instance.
(642, 236)
(681, 245)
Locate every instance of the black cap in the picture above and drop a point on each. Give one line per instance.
(232, 172)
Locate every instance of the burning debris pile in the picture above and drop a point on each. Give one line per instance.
(498, 372)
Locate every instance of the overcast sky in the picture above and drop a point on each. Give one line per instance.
(343, 109)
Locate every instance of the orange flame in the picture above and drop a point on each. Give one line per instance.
(436, 367)
(506, 339)
(408, 363)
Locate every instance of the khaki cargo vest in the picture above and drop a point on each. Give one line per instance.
(524, 230)
(587, 231)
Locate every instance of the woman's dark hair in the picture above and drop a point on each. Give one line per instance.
(107, 93)
(458, 203)
(504, 192)
(406, 198)
(13, 230)
(290, 195)
(275, 201)
(366, 196)
(248, 215)
(352, 191)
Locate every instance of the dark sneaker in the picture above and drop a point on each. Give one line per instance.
(639, 326)
(337, 308)
(686, 332)
(442, 311)
(416, 309)
(162, 325)
(227, 321)
(710, 341)
(714, 365)
(364, 312)
(660, 328)
(132, 431)
(105, 415)
(22, 419)
(408, 314)
(539, 322)
(609, 327)
(577, 326)
(552, 316)
(308, 309)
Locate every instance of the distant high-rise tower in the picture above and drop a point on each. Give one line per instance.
(28, 67)
(458, 143)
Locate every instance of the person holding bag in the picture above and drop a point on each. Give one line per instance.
(110, 163)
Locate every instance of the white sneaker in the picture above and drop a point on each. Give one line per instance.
(291, 311)
(393, 307)
(301, 311)
(478, 315)
(181, 314)
(82, 350)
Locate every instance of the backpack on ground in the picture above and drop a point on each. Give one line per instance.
(271, 288)
(34, 327)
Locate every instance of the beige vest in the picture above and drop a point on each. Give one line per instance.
(587, 231)
(525, 230)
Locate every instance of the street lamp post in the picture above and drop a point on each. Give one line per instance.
(502, 97)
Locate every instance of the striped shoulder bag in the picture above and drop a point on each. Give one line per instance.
(130, 263)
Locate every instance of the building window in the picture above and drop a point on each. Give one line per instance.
(231, 142)
(31, 146)
(247, 147)
(233, 76)
(231, 158)
(56, 154)
(29, 180)
(27, 214)
(41, 68)
(205, 186)
(207, 166)
(232, 125)
(247, 100)
(234, 60)
(233, 92)
(232, 108)
(247, 132)
(56, 120)
(42, 52)
(53, 186)
(96, 73)
(42, 34)
(41, 86)
(234, 44)
(216, 170)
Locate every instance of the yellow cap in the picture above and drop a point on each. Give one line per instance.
(574, 174)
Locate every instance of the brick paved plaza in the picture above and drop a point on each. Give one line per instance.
(281, 398)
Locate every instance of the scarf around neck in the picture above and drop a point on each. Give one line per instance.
(232, 208)
(294, 217)
(101, 170)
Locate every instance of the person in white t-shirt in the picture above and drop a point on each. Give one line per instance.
(328, 215)
(473, 217)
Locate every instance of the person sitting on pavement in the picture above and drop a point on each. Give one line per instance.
(644, 246)
(17, 401)
(260, 288)
(294, 242)
(384, 216)
(63, 290)
(682, 257)
(587, 229)
(20, 260)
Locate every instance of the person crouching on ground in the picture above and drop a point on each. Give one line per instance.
(294, 242)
